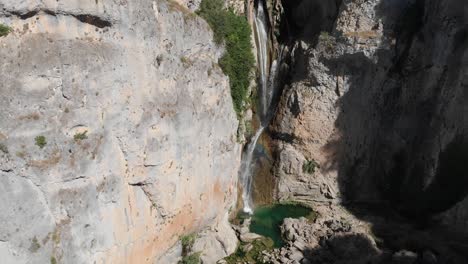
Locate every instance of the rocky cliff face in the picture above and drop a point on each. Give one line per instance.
(138, 125)
(378, 99)
(379, 102)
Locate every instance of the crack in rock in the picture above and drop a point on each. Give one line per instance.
(93, 20)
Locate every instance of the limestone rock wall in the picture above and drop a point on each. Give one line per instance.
(379, 101)
(159, 158)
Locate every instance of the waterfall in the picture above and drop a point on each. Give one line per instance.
(246, 172)
(261, 38)
(267, 88)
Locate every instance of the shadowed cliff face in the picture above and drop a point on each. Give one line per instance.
(400, 130)
(405, 109)
(303, 20)
(381, 104)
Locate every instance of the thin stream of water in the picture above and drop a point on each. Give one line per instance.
(267, 85)
(246, 170)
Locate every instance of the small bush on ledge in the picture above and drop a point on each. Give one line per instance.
(187, 243)
(309, 166)
(80, 136)
(4, 30)
(40, 141)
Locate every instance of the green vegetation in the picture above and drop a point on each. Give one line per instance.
(4, 30)
(191, 259)
(53, 260)
(40, 141)
(238, 60)
(254, 255)
(309, 166)
(3, 148)
(80, 136)
(187, 243)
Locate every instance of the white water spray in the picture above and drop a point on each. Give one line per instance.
(246, 170)
(267, 85)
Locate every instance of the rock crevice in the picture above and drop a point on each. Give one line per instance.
(93, 20)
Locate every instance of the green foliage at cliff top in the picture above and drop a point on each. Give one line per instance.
(238, 60)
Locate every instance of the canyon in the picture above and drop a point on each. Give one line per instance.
(119, 138)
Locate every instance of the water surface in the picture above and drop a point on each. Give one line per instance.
(266, 220)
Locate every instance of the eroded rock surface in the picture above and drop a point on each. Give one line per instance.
(379, 103)
(378, 100)
(138, 123)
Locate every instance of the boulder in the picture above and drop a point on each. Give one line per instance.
(217, 242)
(249, 237)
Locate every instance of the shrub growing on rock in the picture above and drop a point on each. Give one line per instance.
(309, 166)
(187, 243)
(4, 30)
(80, 136)
(40, 141)
(238, 60)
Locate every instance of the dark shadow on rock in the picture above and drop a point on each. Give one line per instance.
(392, 120)
(305, 19)
(359, 249)
(346, 249)
(401, 150)
(403, 131)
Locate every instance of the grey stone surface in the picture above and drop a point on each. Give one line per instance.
(249, 237)
(172, 255)
(160, 157)
(217, 242)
